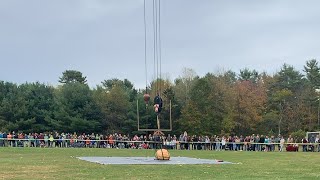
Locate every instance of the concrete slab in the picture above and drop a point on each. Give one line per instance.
(150, 160)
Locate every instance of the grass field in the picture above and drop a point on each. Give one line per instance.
(39, 163)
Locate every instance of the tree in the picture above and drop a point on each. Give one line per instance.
(75, 109)
(39, 100)
(72, 76)
(289, 78)
(247, 75)
(11, 106)
(229, 77)
(251, 105)
(226, 83)
(125, 84)
(312, 70)
(115, 109)
(251, 102)
(205, 111)
(183, 85)
(26, 107)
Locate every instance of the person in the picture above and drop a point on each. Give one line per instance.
(282, 141)
(311, 140)
(157, 104)
(223, 143)
(304, 146)
(1, 140)
(318, 141)
(262, 143)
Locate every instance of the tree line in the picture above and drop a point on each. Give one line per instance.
(218, 103)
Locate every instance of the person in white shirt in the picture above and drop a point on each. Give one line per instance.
(281, 144)
(223, 143)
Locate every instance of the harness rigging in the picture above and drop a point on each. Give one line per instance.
(157, 101)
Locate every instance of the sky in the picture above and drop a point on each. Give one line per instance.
(104, 39)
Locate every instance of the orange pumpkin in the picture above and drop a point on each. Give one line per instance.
(162, 154)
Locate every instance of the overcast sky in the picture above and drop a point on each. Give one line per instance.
(104, 39)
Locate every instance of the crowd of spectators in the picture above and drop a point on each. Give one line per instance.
(183, 141)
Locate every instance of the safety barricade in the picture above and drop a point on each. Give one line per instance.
(178, 145)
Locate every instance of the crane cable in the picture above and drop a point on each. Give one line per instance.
(157, 45)
(145, 43)
(157, 61)
(154, 46)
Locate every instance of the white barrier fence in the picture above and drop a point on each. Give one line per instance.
(245, 146)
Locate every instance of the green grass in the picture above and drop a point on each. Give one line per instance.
(55, 163)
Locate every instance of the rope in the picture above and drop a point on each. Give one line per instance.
(156, 34)
(145, 43)
(154, 47)
(157, 59)
(160, 44)
(157, 45)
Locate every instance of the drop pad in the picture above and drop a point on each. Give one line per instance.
(151, 160)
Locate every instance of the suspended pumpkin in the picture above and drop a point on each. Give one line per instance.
(146, 98)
